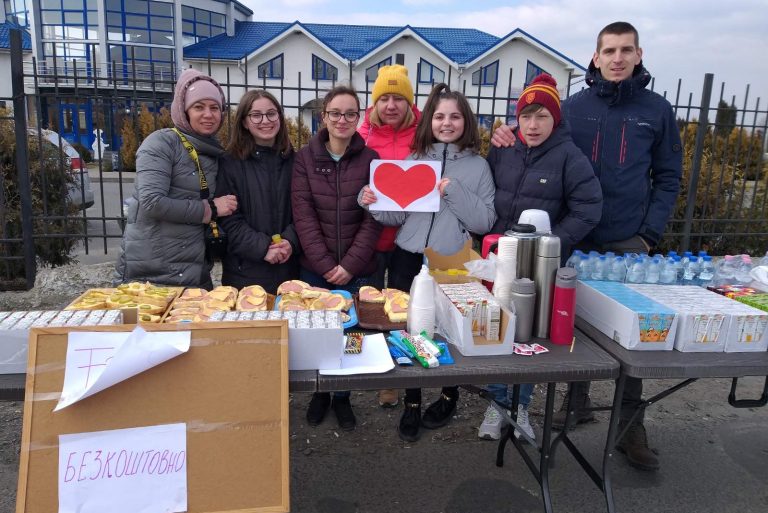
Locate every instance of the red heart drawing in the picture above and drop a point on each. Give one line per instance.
(404, 186)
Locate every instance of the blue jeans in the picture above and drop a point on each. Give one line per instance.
(502, 393)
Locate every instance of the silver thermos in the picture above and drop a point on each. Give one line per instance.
(545, 268)
(526, 248)
(523, 296)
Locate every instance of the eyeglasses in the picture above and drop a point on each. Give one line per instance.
(335, 115)
(258, 117)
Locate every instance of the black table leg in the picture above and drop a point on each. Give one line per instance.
(610, 443)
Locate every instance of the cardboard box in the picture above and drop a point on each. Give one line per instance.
(438, 262)
(709, 322)
(457, 328)
(315, 338)
(629, 318)
(450, 323)
(14, 334)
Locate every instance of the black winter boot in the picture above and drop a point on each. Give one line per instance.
(410, 422)
(439, 413)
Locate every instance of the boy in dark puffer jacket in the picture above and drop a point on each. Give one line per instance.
(545, 170)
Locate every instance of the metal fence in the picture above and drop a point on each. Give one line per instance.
(722, 207)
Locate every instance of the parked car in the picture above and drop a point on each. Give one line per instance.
(80, 190)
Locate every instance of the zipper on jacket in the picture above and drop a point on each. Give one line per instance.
(442, 175)
(338, 212)
(510, 220)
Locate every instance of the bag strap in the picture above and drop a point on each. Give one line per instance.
(204, 191)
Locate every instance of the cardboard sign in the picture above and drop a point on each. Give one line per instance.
(230, 390)
(405, 185)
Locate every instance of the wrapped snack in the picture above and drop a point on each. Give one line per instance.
(353, 343)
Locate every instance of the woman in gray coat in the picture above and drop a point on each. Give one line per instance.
(164, 238)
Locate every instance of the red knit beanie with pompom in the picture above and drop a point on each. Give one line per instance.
(542, 91)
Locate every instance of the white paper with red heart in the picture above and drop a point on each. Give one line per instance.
(405, 185)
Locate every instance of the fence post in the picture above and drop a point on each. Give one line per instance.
(22, 157)
(698, 151)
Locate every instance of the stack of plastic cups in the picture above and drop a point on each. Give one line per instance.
(506, 270)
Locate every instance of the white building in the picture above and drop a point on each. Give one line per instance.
(301, 60)
(98, 59)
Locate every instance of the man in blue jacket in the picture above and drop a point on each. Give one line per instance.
(630, 136)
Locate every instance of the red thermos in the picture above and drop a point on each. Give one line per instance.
(563, 307)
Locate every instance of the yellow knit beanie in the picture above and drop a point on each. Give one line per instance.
(393, 80)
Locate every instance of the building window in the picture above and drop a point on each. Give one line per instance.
(16, 12)
(373, 72)
(532, 71)
(429, 73)
(140, 21)
(71, 56)
(141, 60)
(321, 70)
(199, 24)
(70, 19)
(272, 68)
(486, 75)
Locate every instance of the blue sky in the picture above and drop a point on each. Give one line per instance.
(681, 39)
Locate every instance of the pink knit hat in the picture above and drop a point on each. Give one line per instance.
(198, 86)
(202, 90)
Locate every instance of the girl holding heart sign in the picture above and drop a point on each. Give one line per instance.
(447, 132)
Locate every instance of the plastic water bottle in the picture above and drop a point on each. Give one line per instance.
(685, 258)
(724, 271)
(617, 270)
(764, 260)
(653, 271)
(679, 267)
(584, 268)
(636, 272)
(610, 254)
(707, 271)
(600, 268)
(672, 253)
(691, 271)
(702, 254)
(574, 259)
(669, 270)
(742, 270)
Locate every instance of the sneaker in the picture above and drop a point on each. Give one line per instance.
(525, 425)
(388, 398)
(490, 429)
(439, 413)
(318, 407)
(344, 414)
(408, 429)
(579, 417)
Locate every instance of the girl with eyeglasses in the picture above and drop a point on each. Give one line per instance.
(447, 132)
(257, 169)
(338, 237)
